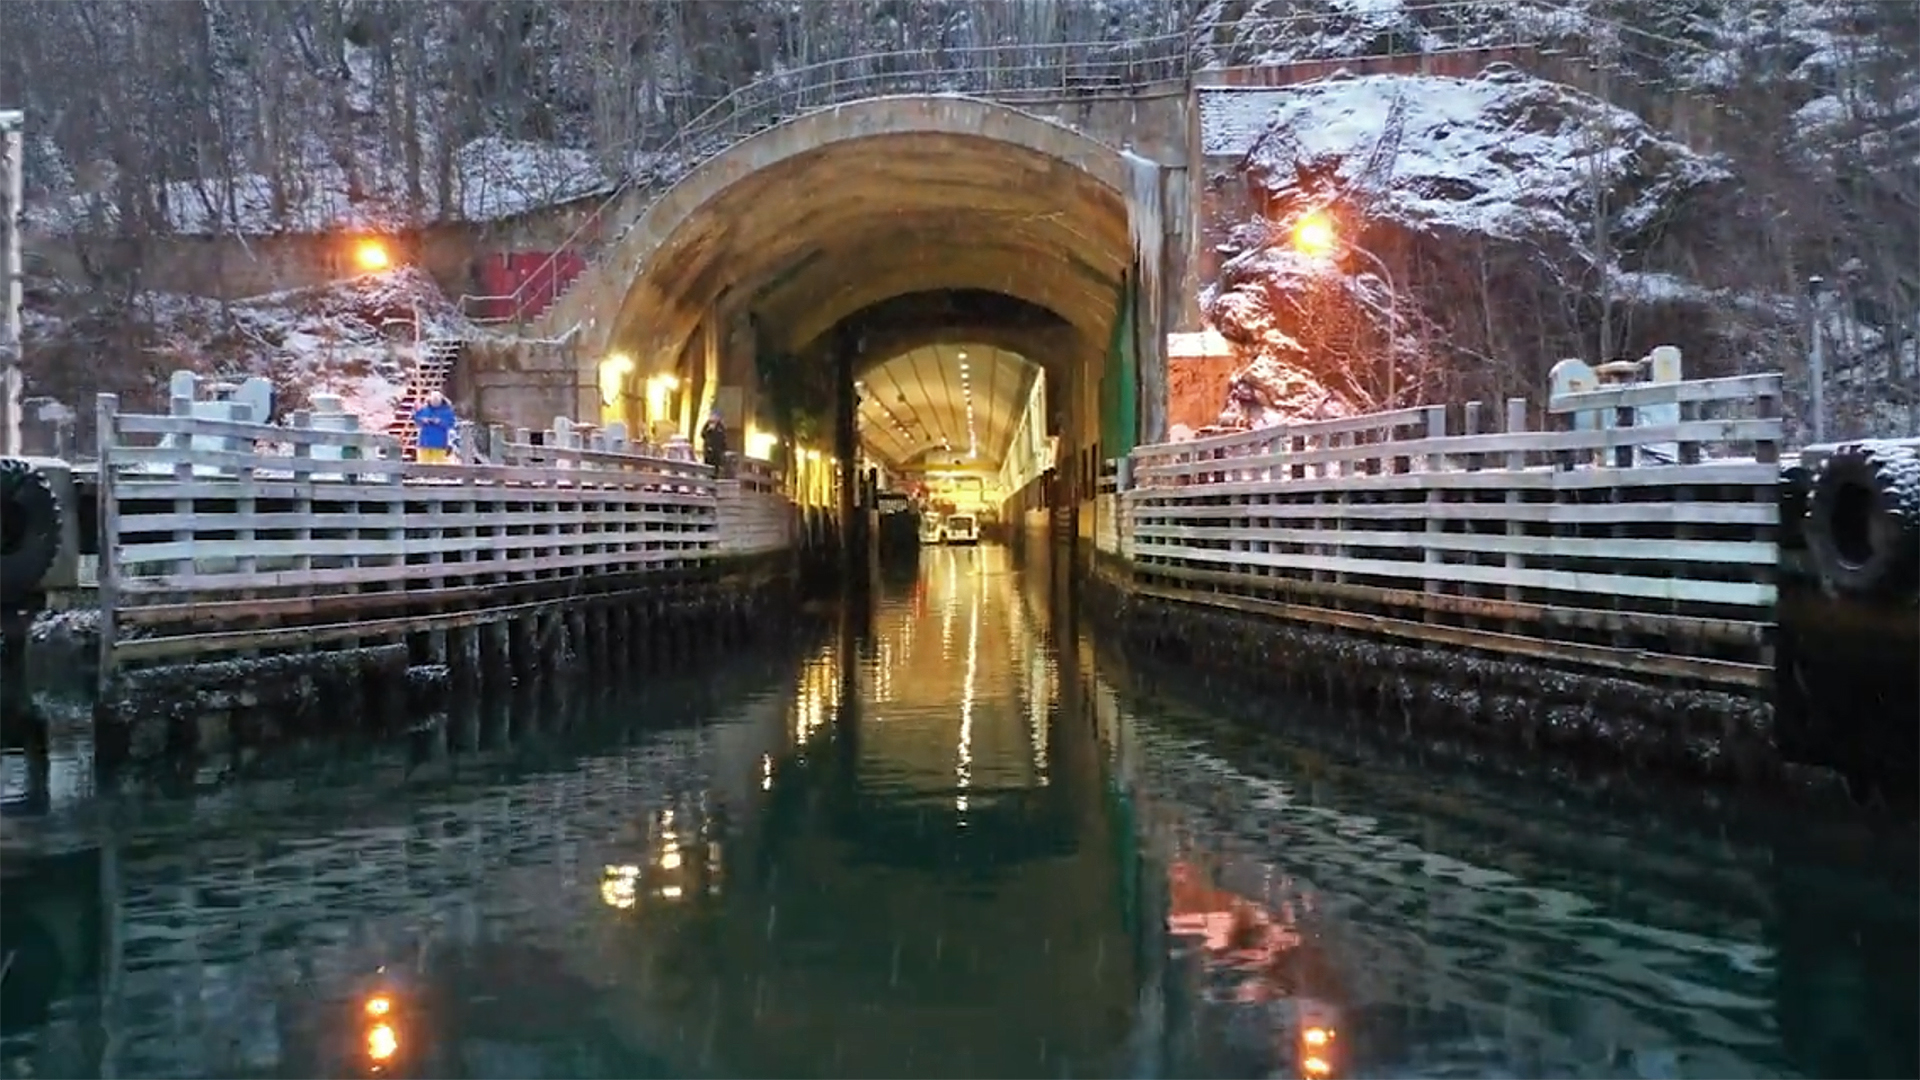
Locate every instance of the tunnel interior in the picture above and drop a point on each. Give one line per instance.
(915, 285)
(942, 378)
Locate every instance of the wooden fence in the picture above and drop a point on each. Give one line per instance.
(1553, 545)
(222, 535)
(754, 515)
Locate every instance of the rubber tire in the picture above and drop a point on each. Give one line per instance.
(30, 516)
(1863, 521)
(37, 976)
(1796, 492)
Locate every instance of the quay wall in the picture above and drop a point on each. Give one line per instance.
(1591, 579)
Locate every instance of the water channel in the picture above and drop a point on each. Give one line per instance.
(949, 838)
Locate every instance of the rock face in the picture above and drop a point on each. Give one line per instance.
(1270, 391)
(1456, 248)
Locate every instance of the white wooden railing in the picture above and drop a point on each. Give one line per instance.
(1550, 544)
(303, 533)
(755, 517)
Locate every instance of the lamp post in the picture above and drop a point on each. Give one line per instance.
(1817, 357)
(12, 141)
(1316, 236)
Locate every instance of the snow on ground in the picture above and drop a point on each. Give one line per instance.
(499, 178)
(1502, 155)
(1290, 31)
(353, 338)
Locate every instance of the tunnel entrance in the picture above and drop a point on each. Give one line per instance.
(876, 243)
(953, 400)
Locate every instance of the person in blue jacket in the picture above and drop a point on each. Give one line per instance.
(435, 421)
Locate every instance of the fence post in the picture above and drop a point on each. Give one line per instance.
(1436, 462)
(469, 453)
(1473, 427)
(562, 437)
(303, 475)
(106, 408)
(1516, 461)
(246, 502)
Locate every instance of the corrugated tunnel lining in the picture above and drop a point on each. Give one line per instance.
(1001, 381)
(830, 231)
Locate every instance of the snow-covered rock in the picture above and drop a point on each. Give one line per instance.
(1503, 155)
(1812, 109)
(1271, 391)
(1458, 208)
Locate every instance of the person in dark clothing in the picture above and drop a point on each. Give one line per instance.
(713, 441)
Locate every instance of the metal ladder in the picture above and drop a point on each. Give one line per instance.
(433, 362)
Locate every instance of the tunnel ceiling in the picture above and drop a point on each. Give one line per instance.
(959, 396)
(811, 238)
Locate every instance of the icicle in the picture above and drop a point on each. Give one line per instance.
(1146, 224)
(1147, 229)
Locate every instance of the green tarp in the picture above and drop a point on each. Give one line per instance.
(1120, 379)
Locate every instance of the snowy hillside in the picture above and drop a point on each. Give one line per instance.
(1486, 217)
(491, 178)
(1810, 110)
(202, 118)
(354, 339)
(1502, 156)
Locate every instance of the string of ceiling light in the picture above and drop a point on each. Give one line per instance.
(906, 438)
(966, 386)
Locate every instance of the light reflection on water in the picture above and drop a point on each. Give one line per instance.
(940, 843)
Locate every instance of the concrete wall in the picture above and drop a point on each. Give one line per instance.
(1153, 123)
(520, 384)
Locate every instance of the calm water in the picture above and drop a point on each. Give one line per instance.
(952, 841)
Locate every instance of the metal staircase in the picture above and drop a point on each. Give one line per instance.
(433, 362)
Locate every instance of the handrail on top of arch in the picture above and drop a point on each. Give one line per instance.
(765, 101)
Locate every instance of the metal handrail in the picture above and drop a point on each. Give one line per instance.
(1010, 73)
(1067, 67)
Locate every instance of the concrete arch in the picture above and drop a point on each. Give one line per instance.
(813, 221)
(950, 167)
(882, 331)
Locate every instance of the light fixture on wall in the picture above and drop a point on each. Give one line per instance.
(1314, 235)
(371, 255)
(659, 387)
(613, 376)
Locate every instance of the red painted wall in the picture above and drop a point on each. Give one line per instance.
(524, 282)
